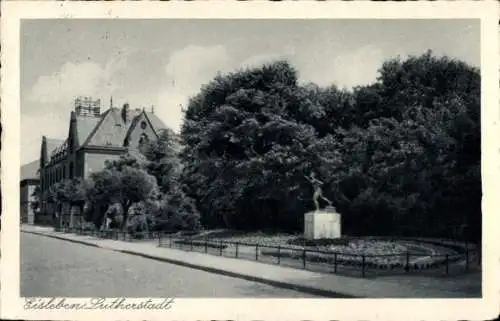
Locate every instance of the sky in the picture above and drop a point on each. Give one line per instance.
(162, 63)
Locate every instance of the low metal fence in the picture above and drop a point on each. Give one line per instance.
(328, 261)
(461, 259)
(110, 234)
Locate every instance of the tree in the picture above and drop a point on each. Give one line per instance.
(99, 193)
(125, 185)
(163, 161)
(244, 148)
(177, 211)
(68, 191)
(402, 152)
(412, 155)
(36, 199)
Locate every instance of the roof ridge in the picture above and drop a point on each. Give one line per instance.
(29, 170)
(133, 123)
(156, 121)
(56, 139)
(155, 130)
(96, 127)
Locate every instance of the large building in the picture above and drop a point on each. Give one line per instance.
(29, 181)
(93, 138)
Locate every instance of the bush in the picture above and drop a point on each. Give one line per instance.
(177, 212)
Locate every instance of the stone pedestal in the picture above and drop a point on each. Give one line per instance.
(325, 223)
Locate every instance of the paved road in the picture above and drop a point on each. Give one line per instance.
(52, 267)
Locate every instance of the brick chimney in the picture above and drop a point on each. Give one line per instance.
(126, 113)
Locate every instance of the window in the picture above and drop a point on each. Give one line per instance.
(144, 139)
(143, 124)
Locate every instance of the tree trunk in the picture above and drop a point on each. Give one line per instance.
(145, 222)
(60, 216)
(226, 219)
(125, 217)
(103, 223)
(80, 211)
(71, 217)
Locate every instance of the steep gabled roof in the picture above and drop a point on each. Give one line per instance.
(85, 125)
(133, 123)
(136, 119)
(111, 129)
(108, 129)
(96, 127)
(30, 170)
(52, 144)
(155, 121)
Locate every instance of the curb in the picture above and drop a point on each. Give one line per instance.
(284, 285)
(62, 238)
(279, 284)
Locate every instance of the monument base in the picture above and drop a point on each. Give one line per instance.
(322, 224)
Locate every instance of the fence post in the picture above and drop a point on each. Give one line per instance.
(220, 248)
(256, 252)
(170, 237)
(191, 245)
(236, 252)
(206, 246)
(407, 267)
(335, 262)
(159, 239)
(363, 265)
(304, 258)
(279, 254)
(447, 265)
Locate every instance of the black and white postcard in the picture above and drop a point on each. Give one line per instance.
(186, 160)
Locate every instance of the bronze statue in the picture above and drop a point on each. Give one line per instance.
(318, 191)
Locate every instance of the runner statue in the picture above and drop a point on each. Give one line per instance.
(318, 191)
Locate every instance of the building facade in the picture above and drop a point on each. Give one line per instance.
(29, 182)
(93, 138)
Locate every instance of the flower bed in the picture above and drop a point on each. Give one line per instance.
(378, 252)
(375, 253)
(261, 239)
(213, 245)
(301, 241)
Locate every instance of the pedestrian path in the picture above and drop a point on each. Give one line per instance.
(328, 285)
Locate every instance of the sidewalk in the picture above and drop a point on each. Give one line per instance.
(328, 285)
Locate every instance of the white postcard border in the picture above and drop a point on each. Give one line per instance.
(256, 309)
